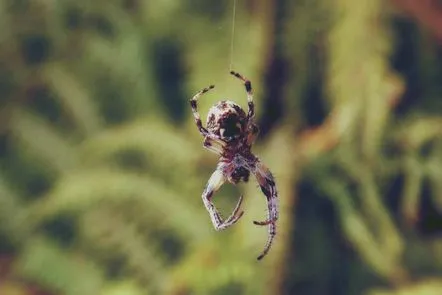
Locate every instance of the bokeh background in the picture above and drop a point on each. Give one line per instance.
(102, 167)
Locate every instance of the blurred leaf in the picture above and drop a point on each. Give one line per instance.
(434, 175)
(70, 273)
(377, 215)
(12, 215)
(74, 98)
(416, 132)
(11, 288)
(124, 288)
(359, 234)
(83, 189)
(427, 287)
(165, 147)
(412, 188)
(112, 233)
(211, 267)
(39, 138)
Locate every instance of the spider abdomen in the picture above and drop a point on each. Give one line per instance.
(227, 120)
(240, 174)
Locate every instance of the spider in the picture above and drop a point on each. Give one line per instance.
(230, 133)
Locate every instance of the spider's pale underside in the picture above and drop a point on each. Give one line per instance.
(230, 133)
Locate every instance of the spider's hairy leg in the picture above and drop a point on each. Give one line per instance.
(216, 180)
(252, 133)
(268, 187)
(196, 115)
(214, 144)
(248, 85)
(268, 245)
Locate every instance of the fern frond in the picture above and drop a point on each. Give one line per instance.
(81, 190)
(62, 271)
(40, 138)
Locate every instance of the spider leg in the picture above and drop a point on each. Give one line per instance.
(214, 144)
(268, 187)
(196, 115)
(268, 245)
(267, 184)
(248, 85)
(252, 133)
(216, 180)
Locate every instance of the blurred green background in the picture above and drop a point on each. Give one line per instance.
(102, 167)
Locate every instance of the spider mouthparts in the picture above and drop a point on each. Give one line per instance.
(211, 86)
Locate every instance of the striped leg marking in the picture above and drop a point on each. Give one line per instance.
(248, 86)
(196, 115)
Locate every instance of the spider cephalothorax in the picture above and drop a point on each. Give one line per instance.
(227, 120)
(230, 133)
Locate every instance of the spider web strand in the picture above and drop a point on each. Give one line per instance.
(233, 35)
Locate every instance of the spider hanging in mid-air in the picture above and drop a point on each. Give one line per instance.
(230, 133)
